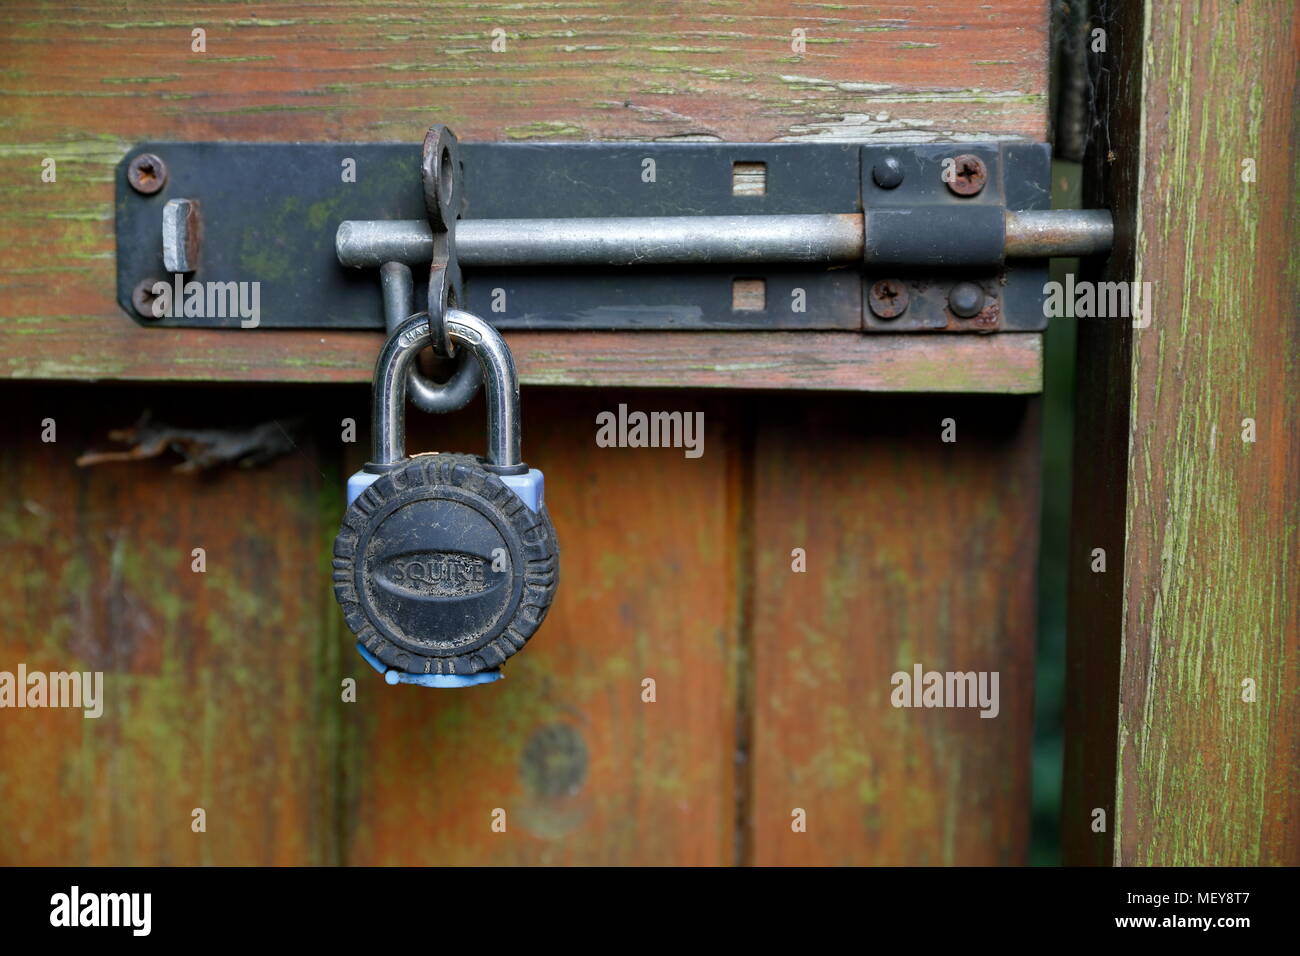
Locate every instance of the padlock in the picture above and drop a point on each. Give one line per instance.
(446, 564)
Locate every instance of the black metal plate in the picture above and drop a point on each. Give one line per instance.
(270, 212)
(1019, 176)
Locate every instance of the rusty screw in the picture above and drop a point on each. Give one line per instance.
(147, 174)
(888, 298)
(142, 298)
(968, 175)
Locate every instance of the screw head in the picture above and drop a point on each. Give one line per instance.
(968, 175)
(966, 299)
(147, 174)
(888, 298)
(142, 298)
(888, 173)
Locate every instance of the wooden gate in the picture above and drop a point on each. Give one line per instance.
(224, 688)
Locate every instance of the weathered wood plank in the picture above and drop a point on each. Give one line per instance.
(827, 361)
(568, 71)
(586, 771)
(1201, 526)
(82, 83)
(1009, 362)
(918, 552)
(657, 548)
(213, 682)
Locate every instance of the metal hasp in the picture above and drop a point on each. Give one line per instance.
(627, 236)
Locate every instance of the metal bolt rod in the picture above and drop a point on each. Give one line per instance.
(662, 240)
(369, 243)
(667, 240)
(388, 414)
(1058, 232)
(826, 239)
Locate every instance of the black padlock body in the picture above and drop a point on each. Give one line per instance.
(440, 568)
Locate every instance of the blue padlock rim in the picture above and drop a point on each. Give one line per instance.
(392, 676)
(529, 488)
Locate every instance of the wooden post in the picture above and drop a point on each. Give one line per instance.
(1184, 664)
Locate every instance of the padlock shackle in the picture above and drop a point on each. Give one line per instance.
(399, 294)
(500, 380)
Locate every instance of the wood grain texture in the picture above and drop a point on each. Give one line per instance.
(585, 771)
(1203, 777)
(1010, 362)
(663, 556)
(673, 568)
(824, 361)
(918, 552)
(84, 82)
(213, 682)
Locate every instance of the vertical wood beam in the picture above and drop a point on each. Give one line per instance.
(1201, 527)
